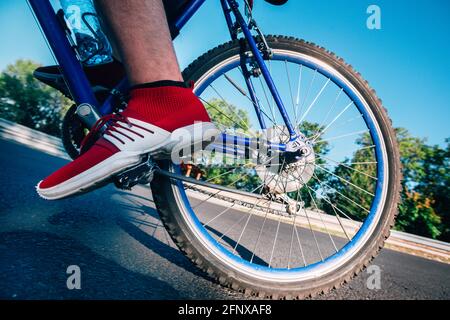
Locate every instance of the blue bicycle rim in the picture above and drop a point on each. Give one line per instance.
(381, 175)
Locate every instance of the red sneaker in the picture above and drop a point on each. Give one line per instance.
(153, 123)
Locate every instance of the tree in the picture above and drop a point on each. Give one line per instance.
(28, 102)
(417, 215)
(238, 175)
(425, 188)
(228, 116)
(360, 171)
(435, 184)
(425, 191)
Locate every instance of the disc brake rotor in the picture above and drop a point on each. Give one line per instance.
(287, 174)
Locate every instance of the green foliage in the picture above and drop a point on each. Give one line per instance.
(412, 153)
(360, 171)
(427, 188)
(228, 116)
(435, 184)
(424, 207)
(243, 178)
(417, 215)
(240, 176)
(26, 101)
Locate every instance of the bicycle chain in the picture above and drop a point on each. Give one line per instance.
(246, 204)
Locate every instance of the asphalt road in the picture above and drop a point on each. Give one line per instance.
(123, 251)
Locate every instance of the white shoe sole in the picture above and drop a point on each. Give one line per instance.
(122, 160)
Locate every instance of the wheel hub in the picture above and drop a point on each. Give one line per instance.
(293, 169)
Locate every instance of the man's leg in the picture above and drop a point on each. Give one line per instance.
(140, 34)
(160, 102)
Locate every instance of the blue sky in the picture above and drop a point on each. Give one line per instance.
(407, 62)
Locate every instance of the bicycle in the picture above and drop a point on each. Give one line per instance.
(290, 229)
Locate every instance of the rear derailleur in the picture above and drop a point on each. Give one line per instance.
(292, 206)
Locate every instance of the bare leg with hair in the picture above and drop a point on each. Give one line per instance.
(140, 34)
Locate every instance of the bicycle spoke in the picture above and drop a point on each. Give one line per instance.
(278, 228)
(320, 216)
(346, 181)
(231, 228)
(341, 194)
(343, 136)
(362, 163)
(334, 210)
(243, 229)
(306, 96)
(267, 99)
(250, 213)
(342, 164)
(294, 228)
(274, 243)
(332, 107)
(218, 110)
(300, 246)
(345, 123)
(234, 84)
(314, 102)
(240, 119)
(234, 182)
(335, 119)
(335, 206)
(229, 208)
(297, 100)
(290, 90)
(312, 231)
(264, 222)
(256, 106)
(260, 233)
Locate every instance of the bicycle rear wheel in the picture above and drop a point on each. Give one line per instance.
(311, 226)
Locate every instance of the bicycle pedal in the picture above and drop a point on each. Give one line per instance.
(141, 173)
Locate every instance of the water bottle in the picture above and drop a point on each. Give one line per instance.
(92, 44)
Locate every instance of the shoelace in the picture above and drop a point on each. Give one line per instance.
(112, 121)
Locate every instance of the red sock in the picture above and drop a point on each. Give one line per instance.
(169, 107)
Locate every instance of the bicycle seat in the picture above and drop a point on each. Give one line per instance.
(276, 2)
(102, 77)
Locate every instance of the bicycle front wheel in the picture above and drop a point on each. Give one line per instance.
(312, 225)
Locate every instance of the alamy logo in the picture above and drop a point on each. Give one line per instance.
(374, 19)
(74, 280)
(374, 280)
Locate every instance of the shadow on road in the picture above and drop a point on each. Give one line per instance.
(152, 243)
(160, 248)
(36, 267)
(243, 252)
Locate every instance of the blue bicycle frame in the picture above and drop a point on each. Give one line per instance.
(80, 87)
